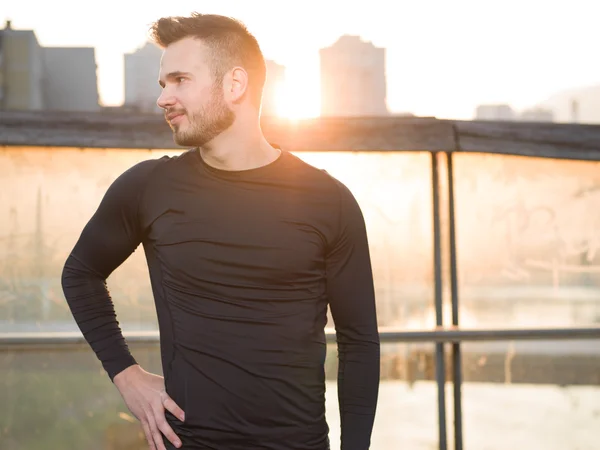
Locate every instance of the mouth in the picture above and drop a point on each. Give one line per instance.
(174, 117)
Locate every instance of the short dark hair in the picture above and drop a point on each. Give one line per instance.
(229, 41)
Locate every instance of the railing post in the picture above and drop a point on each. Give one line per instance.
(456, 355)
(440, 370)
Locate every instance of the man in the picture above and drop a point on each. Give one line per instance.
(246, 247)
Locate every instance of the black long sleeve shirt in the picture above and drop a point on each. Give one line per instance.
(242, 265)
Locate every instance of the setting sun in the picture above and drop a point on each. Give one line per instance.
(294, 103)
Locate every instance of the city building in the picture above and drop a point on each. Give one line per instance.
(70, 81)
(141, 69)
(504, 112)
(353, 78)
(575, 105)
(495, 112)
(33, 77)
(21, 70)
(537, 115)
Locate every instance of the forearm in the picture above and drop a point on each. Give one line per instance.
(358, 387)
(91, 305)
(111, 235)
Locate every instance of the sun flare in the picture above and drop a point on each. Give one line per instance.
(293, 103)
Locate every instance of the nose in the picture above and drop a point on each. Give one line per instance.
(165, 99)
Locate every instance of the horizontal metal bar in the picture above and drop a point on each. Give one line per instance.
(502, 334)
(45, 339)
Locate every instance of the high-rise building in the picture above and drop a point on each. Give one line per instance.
(33, 77)
(70, 79)
(141, 78)
(21, 70)
(353, 78)
(271, 92)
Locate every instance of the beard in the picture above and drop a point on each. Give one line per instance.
(206, 124)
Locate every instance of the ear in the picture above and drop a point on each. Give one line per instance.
(236, 85)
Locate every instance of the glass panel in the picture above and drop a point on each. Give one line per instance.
(54, 399)
(394, 192)
(63, 399)
(407, 411)
(528, 235)
(47, 196)
(531, 394)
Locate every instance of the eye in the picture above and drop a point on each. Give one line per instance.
(180, 79)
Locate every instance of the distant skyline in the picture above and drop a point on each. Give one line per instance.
(443, 58)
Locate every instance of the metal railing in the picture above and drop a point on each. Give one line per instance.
(440, 336)
(11, 341)
(456, 335)
(67, 340)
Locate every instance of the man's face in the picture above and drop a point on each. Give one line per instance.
(192, 100)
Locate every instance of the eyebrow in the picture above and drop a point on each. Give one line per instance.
(173, 75)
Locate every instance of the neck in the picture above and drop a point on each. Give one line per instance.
(241, 147)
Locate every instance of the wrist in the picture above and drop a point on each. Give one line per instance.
(126, 376)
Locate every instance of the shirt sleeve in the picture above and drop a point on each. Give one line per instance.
(108, 239)
(352, 302)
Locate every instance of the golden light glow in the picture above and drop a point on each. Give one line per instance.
(294, 103)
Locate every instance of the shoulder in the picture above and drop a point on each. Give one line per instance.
(142, 170)
(132, 182)
(306, 170)
(321, 179)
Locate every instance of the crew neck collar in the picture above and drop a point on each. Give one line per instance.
(244, 173)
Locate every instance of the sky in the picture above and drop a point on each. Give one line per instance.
(443, 57)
